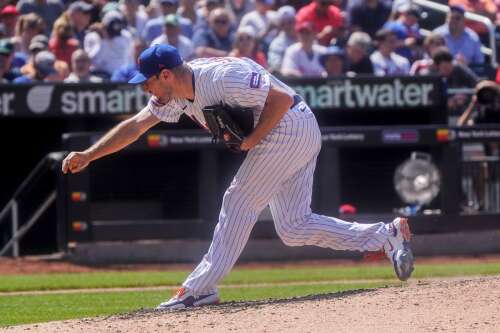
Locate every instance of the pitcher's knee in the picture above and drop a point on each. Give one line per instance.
(290, 237)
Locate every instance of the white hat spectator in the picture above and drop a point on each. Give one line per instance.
(286, 13)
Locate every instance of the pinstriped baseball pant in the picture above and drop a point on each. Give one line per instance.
(279, 172)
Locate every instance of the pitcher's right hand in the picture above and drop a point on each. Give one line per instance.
(75, 162)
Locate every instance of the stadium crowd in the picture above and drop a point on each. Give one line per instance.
(99, 40)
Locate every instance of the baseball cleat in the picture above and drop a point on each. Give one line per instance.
(186, 299)
(397, 248)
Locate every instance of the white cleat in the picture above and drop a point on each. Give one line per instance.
(397, 248)
(186, 299)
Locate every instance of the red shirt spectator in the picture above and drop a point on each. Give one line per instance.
(63, 48)
(62, 44)
(325, 17)
(498, 75)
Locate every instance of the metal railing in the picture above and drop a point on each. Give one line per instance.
(491, 51)
(46, 164)
(481, 184)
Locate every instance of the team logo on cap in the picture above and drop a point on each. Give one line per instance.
(255, 80)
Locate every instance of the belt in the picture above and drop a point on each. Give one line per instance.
(296, 100)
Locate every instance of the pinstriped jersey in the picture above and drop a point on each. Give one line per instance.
(237, 82)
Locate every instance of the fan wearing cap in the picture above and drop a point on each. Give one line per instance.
(277, 171)
(302, 58)
(49, 10)
(286, 37)
(245, 45)
(407, 30)
(6, 55)
(44, 70)
(218, 39)
(172, 35)
(486, 8)
(463, 43)
(80, 64)
(154, 27)
(326, 19)
(112, 47)
(9, 16)
(333, 60)
(38, 44)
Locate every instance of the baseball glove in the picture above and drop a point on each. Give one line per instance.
(229, 125)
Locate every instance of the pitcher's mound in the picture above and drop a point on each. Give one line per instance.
(452, 305)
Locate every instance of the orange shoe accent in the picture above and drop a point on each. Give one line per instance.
(180, 292)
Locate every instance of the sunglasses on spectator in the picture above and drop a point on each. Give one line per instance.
(244, 37)
(221, 21)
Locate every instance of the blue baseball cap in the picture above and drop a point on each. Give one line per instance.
(154, 59)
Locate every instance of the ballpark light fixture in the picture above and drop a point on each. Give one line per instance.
(417, 181)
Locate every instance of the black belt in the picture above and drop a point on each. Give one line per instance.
(296, 100)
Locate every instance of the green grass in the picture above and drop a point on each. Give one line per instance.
(37, 308)
(238, 276)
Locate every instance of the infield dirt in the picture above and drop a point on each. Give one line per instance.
(449, 305)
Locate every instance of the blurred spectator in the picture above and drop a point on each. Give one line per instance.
(154, 27)
(369, 16)
(6, 55)
(333, 60)
(463, 42)
(110, 46)
(358, 50)
(79, 13)
(135, 16)
(327, 19)
(238, 8)
(482, 7)
(172, 35)
(431, 43)
(44, 70)
(206, 7)
(217, 40)
(187, 9)
(48, 10)
(455, 74)
(8, 17)
(284, 39)
(302, 58)
(407, 30)
(245, 45)
(80, 63)
(125, 73)
(38, 44)
(28, 26)
(261, 20)
(62, 44)
(385, 61)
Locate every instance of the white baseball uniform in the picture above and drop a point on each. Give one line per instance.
(277, 172)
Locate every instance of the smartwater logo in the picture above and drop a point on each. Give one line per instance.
(39, 98)
(347, 94)
(92, 101)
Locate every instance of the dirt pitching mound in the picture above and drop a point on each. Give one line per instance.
(455, 305)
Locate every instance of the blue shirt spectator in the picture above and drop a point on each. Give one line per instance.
(462, 42)
(154, 27)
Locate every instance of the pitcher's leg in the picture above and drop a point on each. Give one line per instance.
(297, 225)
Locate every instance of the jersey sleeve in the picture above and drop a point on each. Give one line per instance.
(169, 112)
(246, 86)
